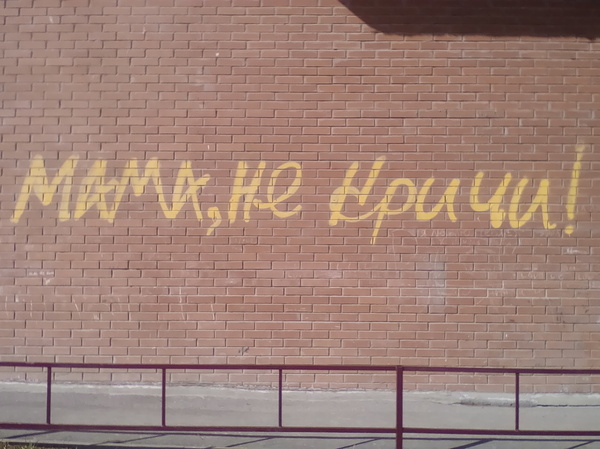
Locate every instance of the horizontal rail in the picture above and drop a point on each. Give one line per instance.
(399, 429)
(141, 428)
(303, 367)
(295, 429)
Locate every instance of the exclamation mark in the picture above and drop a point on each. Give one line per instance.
(572, 197)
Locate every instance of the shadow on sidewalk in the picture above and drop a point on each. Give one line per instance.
(259, 440)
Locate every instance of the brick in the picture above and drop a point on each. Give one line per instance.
(324, 87)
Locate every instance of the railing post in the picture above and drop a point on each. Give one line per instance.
(280, 399)
(49, 395)
(517, 394)
(399, 406)
(163, 403)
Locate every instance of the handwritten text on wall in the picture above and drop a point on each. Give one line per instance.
(278, 190)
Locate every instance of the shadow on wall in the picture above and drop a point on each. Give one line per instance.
(539, 18)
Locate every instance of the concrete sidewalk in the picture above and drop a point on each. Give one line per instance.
(211, 406)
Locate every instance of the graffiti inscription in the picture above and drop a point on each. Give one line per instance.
(107, 194)
(259, 188)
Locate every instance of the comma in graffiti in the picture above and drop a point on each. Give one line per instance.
(106, 194)
(372, 199)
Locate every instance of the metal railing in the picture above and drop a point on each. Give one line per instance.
(399, 430)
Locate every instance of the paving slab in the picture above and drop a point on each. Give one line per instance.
(216, 406)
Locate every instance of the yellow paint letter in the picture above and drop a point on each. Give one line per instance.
(572, 195)
(447, 200)
(92, 191)
(540, 201)
(339, 195)
(185, 175)
(383, 210)
(248, 192)
(37, 183)
(272, 202)
(493, 205)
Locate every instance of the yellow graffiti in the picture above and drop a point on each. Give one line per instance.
(382, 208)
(249, 192)
(339, 196)
(572, 195)
(257, 188)
(37, 184)
(349, 194)
(447, 200)
(540, 201)
(493, 205)
(96, 190)
(293, 188)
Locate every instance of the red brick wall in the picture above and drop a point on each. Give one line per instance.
(300, 181)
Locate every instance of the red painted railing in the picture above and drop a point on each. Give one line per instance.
(399, 430)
